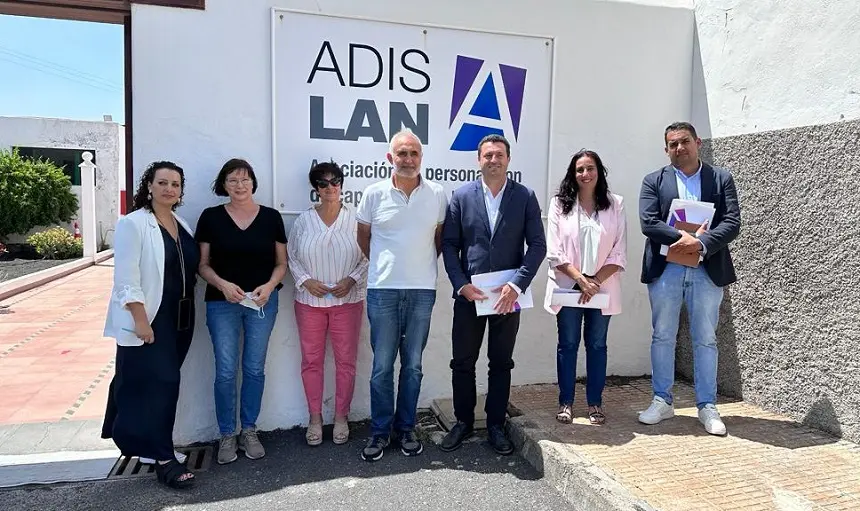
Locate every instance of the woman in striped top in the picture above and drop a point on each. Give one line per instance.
(330, 273)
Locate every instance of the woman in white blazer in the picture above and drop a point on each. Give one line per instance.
(151, 316)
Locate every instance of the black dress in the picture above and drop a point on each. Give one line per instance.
(141, 407)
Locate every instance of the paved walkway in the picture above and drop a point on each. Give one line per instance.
(766, 462)
(54, 363)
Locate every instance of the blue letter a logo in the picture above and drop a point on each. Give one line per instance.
(485, 117)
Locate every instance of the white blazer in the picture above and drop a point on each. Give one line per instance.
(138, 273)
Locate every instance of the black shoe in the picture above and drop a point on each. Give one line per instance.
(498, 441)
(375, 448)
(454, 439)
(409, 443)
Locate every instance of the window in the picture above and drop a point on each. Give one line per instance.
(67, 159)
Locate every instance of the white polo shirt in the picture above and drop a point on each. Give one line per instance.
(402, 234)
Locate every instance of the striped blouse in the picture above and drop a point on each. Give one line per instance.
(327, 254)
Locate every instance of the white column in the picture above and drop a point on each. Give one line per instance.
(89, 233)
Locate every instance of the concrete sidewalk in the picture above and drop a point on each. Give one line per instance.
(766, 462)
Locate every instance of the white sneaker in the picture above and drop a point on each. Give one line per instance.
(657, 412)
(179, 457)
(710, 418)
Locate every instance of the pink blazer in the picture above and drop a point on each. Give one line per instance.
(563, 247)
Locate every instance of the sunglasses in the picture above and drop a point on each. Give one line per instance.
(324, 183)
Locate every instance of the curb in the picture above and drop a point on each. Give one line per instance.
(580, 482)
(27, 282)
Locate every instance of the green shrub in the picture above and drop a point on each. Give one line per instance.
(32, 194)
(56, 243)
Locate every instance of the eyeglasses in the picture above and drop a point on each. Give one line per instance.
(235, 182)
(324, 183)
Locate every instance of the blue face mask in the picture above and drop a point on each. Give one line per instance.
(329, 295)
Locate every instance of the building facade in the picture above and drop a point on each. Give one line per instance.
(772, 87)
(63, 141)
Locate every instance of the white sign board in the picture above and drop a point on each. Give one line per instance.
(343, 86)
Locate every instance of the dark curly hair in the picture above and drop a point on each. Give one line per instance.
(569, 188)
(142, 198)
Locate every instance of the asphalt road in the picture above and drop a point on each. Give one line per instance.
(294, 476)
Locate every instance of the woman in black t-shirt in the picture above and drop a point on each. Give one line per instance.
(243, 257)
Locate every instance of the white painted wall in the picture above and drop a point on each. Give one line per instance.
(106, 138)
(774, 64)
(202, 88)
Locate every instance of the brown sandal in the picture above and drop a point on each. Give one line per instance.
(596, 415)
(565, 414)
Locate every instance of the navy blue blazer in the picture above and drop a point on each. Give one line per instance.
(655, 198)
(469, 249)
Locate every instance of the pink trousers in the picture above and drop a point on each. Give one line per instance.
(343, 324)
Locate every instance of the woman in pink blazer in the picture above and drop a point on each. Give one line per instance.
(586, 249)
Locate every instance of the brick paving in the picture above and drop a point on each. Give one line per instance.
(54, 363)
(766, 462)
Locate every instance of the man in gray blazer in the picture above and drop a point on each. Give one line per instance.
(670, 284)
(487, 223)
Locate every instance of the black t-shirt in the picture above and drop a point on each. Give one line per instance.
(245, 258)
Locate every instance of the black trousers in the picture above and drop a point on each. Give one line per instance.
(467, 336)
(141, 407)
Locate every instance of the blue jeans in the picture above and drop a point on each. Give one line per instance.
(693, 287)
(570, 331)
(399, 323)
(225, 321)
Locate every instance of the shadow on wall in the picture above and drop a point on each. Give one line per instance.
(822, 415)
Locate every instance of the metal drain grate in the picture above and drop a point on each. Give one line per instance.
(199, 460)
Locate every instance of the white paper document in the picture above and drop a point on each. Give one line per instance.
(570, 298)
(486, 282)
(690, 211)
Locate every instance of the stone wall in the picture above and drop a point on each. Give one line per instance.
(789, 334)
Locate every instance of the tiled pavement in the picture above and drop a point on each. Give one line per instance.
(766, 462)
(54, 363)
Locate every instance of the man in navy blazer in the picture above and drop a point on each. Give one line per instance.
(670, 284)
(486, 226)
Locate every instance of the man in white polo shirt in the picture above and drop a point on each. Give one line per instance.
(399, 230)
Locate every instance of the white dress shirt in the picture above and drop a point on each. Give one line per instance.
(327, 254)
(493, 204)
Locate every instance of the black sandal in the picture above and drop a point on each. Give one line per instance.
(596, 415)
(170, 473)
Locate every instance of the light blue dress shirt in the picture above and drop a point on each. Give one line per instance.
(690, 188)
